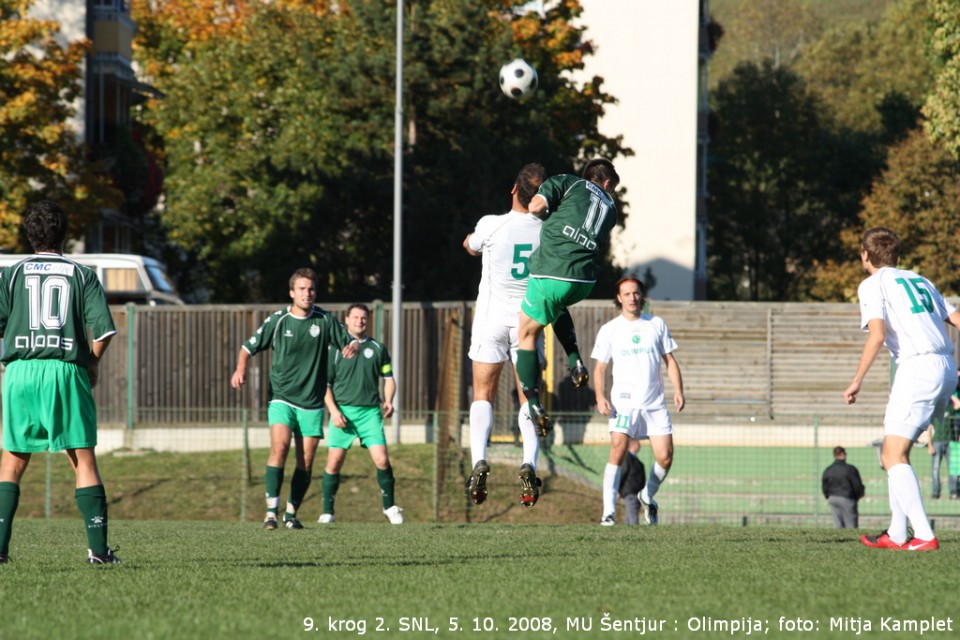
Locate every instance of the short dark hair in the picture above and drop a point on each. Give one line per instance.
(839, 451)
(303, 273)
(642, 287)
(358, 305)
(600, 170)
(882, 246)
(528, 181)
(45, 224)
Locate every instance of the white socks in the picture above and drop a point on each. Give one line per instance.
(657, 474)
(481, 422)
(611, 487)
(905, 492)
(531, 442)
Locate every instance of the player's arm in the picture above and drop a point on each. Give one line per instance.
(389, 393)
(466, 245)
(875, 337)
(930, 431)
(240, 373)
(673, 372)
(599, 388)
(538, 205)
(97, 349)
(954, 319)
(337, 418)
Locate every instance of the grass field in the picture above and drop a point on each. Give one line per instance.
(188, 579)
(192, 569)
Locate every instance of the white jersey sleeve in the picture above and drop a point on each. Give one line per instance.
(912, 310)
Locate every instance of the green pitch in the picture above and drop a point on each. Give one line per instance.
(230, 580)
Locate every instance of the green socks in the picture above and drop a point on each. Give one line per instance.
(528, 370)
(298, 489)
(567, 336)
(386, 482)
(9, 499)
(272, 481)
(92, 502)
(330, 484)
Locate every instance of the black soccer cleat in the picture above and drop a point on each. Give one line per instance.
(529, 486)
(4, 559)
(541, 421)
(107, 558)
(292, 523)
(477, 484)
(270, 522)
(579, 374)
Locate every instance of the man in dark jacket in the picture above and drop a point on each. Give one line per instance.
(842, 488)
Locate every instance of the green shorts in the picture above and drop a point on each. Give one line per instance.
(365, 423)
(546, 298)
(303, 422)
(47, 405)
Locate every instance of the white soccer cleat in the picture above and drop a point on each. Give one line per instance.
(608, 520)
(394, 514)
(326, 518)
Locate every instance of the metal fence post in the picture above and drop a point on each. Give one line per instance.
(131, 364)
(816, 468)
(245, 463)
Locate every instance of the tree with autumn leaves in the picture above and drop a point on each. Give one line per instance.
(277, 132)
(40, 154)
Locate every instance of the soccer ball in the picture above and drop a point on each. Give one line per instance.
(518, 79)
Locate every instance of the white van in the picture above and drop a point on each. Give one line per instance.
(125, 277)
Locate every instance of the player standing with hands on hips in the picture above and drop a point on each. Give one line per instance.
(300, 336)
(46, 304)
(904, 312)
(637, 342)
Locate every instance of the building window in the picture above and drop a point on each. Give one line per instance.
(117, 5)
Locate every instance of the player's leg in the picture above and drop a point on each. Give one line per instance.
(12, 466)
(386, 482)
(567, 337)
(331, 480)
(904, 486)
(307, 434)
(486, 377)
(91, 500)
(657, 427)
(528, 365)
(528, 431)
(611, 473)
(938, 450)
(280, 436)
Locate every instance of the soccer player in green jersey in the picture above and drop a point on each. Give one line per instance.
(353, 400)
(46, 304)
(578, 214)
(300, 337)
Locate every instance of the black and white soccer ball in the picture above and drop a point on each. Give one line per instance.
(518, 79)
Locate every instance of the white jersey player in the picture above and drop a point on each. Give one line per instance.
(905, 312)
(505, 243)
(638, 343)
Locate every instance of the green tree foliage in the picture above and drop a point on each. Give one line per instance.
(40, 157)
(942, 108)
(782, 186)
(278, 138)
(918, 196)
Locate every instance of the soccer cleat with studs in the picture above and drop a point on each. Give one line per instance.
(106, 558)
(650, 509)
(292, 523)
(579, 374)
(394, 514)
(270, 522)
(529, 486)
(477, 484)
(608, 520)
(882, 541)
(541, 421)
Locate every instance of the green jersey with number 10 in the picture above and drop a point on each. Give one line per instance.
(581, 216)
(46, 304)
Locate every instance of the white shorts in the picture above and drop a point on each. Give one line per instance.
(642, 423)
(921, 389)
(497, 343)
